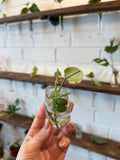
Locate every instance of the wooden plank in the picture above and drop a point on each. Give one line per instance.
(18, 120)
(48, 80)
(82, 9)
(110, 149)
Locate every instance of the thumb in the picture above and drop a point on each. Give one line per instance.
(42, 135)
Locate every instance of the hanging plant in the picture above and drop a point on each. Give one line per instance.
(104, 62)
(34, 72)
(31, 9)
(92, 76)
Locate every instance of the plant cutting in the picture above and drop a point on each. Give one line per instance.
(92, 76)
(12, 109)
(56, 98)
(14, 148)
(104, 62)
(34, 72)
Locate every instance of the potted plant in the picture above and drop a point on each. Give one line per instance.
(56, 98)
(12, 109)
(14, 148)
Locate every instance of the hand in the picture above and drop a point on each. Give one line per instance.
(41, 142)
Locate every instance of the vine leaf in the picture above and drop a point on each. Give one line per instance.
(34, 8)
(90, 75)
(59, 104)
(96, 83)
(102, 62)
(24, 10)
(94, 1)
(76, 78)
(98, 140)
(111, 49)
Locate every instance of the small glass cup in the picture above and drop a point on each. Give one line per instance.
(58, 119)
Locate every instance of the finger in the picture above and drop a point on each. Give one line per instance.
(39, 118)
(64, 143)
(72, 105)
(39, 139)
(66, 131)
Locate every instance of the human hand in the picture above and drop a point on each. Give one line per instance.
(41, 142)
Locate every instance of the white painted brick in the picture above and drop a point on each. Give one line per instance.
(111, 159)
(39, 54)
(77, 55)
(19, 41)
(117, 104)
(105, 103)
(108, 118)
(52, 40)
(2, 41)
(44, 27)
(95, 156)
(49, 68)
(114, 133)
(90, 39)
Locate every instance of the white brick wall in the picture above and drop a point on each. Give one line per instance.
(48, 47)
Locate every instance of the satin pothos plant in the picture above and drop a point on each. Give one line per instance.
(56, 99)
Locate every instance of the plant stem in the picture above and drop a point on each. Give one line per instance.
(64, 95)
(56, 79)
(55, 120)
(65, 79)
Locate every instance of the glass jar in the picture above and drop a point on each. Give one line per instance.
(58, 119)
(115, 79)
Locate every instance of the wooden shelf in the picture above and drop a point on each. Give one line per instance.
(89, 8)
(18, 120)
(48, 80)
(110, 149)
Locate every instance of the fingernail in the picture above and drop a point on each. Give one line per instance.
(46, 123)
(64, 142)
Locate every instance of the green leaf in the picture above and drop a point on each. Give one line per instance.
(25, 10)
(32, 74)
(73, 75)
(3, 1)
(34, 8)
(4, 15)
(110, 49)
(59, 1)
(35, 69)
(17, 102)
(102, 62)
(98, 140)
(27, 4)
(59, 104)
(58, 72)
(94, 1)
(96, 83)
(99, 14)
(90, 75)
(55, 94)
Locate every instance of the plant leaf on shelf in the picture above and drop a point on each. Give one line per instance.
(111, 49)
(24, 10)
(59, 1)
(96, 83)
(98, 140)
(90, 75)
(102, 62)
(94, 1)
(76, 77)
(34, 8)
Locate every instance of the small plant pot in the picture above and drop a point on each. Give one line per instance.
(58, 119)
(14, 151)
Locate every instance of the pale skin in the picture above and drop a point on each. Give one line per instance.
(41, 142)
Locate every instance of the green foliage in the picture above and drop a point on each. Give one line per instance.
(32, 8)
(98, 140)
(102, 62)
(30, 121)
(90, 75)
(100, 14)
(111, 48)
(73, 75)
(59, 1)
(34, 72)
(3, 1)
(4, 15)
(12, 109)
(94, 1)
(94, 82)
(59, 104)
(16, 144)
